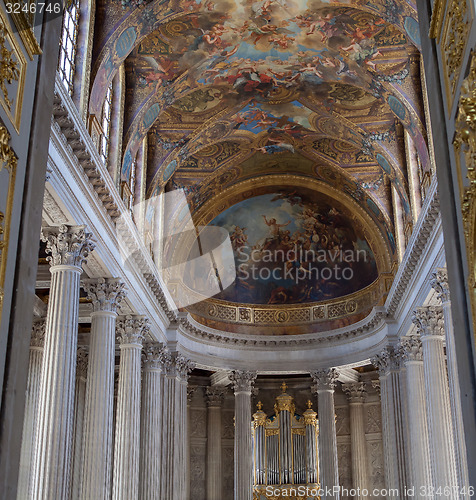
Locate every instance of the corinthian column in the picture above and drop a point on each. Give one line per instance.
(183, 367)
(325, 381)
(78, 421)
(125, 484)
(106, 295)
(393, 428)
(242, 383)
(215, 396)
(356, 394)
(151, 421)
(31, 408)
(440, 284)
(175, 427)
(416, 406)
(68, 247)
(430, 324)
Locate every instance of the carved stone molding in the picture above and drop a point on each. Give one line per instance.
(190, 393)
(82, 362)
(376, 385)
(215, 395)
(439, 282)
(68, 245)
(38, 334)
(429, 321)
(105, 293)
(356, 392)
(242, 380)
(411, 348)
(53, 210)
(325, 380)
(132, 329)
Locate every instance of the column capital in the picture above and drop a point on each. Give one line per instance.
(355, 392)
(183, 366)
(242, 380)
(154, 355)
(429, 321)
(38, 333)
(215, 395)
(325, 380)
(82, 362)
(105, 293)
(132, 329)
(439, 282)
(68, 245)
(388, 360)
(411, 348)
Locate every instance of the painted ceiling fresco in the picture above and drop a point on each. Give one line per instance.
(294, 247)
(224, 91)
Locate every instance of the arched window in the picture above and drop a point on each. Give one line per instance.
(68, 45)
(105, 139)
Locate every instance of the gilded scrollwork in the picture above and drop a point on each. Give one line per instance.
(8, 162)
(9, 70)
(465, 144)
(457, 24)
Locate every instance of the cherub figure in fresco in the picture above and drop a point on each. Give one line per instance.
(274, 226)
(362, 53)
(238, 238)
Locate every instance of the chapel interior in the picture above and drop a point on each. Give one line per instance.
(237, 249)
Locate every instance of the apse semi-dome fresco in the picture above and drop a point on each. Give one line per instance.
(295, 248)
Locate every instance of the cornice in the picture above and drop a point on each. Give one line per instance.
(421, 236)
(71, 134)
(208, 335)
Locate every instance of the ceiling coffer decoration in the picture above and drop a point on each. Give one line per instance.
(312, 102)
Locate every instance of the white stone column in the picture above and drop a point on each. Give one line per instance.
(68, 247)
(183, 367)
(190, 392)
(393, 421)
(125, 484)
(416, 404)
(215, 396)
(325, 381)
(106, 295)
(175, 427)
(242, 383)
(151, 421)
(78, 421)
(37, 343)
(430, 324)
(440, 284)
(360, 469)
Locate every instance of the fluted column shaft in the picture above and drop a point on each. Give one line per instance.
(325, 381)
(52, 458)
(243, 382)
(430, 323)
(360, 476)
(127, 438)
(215, 397)
(151, 422)
(78, 422)
(440, 284)
(393, 428)
(31, 408)
(98, 420)
(416, 404)
(175, 427)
